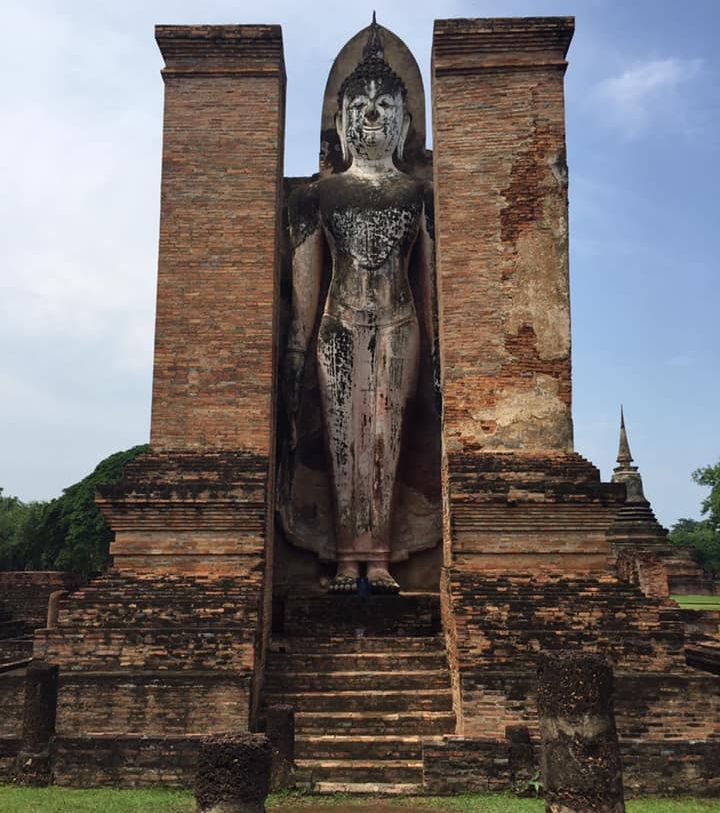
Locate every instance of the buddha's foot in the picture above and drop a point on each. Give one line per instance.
(382, 582)
(343, 583)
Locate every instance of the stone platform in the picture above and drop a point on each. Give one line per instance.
(148, 664)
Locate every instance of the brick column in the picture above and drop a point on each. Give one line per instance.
(202, 501)
(516, 495)
(517, 500)
(501, 225)
(219, 222)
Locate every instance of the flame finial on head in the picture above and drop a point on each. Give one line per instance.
(372, 67)
(373, 47)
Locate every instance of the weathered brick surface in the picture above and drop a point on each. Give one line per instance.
(670, 768)
(153, 703)
(129, 761)
(502, 247)
(512, 512)
(24, 595)
(12, 698)
(659, 707)
(645, 569)
(12, 701)
(650, 767)
(502, 623)
(23, 607)
(189, 513)
(465, 765)
(9, 748)
(150, 622)
(217, 278)
(685, 576)
(151, 656)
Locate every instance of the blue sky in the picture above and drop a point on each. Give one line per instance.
(82, 99)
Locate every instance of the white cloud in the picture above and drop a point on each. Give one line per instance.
(647, 92)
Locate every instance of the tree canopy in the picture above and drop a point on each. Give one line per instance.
(703, 535)
(67, 533)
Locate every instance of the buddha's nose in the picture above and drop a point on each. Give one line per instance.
(372, 114)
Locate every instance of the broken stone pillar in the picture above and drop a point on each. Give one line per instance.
(32, 764)
(580, 758)
(521, 757)
(233, 774)
(281, 734)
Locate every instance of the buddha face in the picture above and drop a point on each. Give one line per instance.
(374, 123)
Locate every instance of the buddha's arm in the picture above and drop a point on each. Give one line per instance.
(307, 257)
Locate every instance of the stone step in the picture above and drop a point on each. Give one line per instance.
(357, 644)
(388, 771)
(283, 681)
(369, 788)
(549, 636)
(394, 700)
(322, 615)
(375, 723)
(358, 746)
(359, 661)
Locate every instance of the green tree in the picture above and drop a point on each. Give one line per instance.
(67, 533)
(77, 537)
(703, 535)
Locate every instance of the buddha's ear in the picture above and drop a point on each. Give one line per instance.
(340, 124)
(407, 118)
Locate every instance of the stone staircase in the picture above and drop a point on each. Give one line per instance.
(368, 679)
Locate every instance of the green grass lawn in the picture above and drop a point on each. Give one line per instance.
(63, 800)
(698, 602)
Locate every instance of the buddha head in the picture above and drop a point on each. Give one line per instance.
(372, 119)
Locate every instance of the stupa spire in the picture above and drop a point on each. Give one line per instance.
(625, 472)
(624, 458)
(635, 524)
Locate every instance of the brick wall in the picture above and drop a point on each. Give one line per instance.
(650, 768)
(12, 698)
(127, 761)
(155, 655)
(644, 569)
(12, 702)
(180, 512)
(154, 703)
(501, 222)
(25, 594)
(502, 623)
(513, 512)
